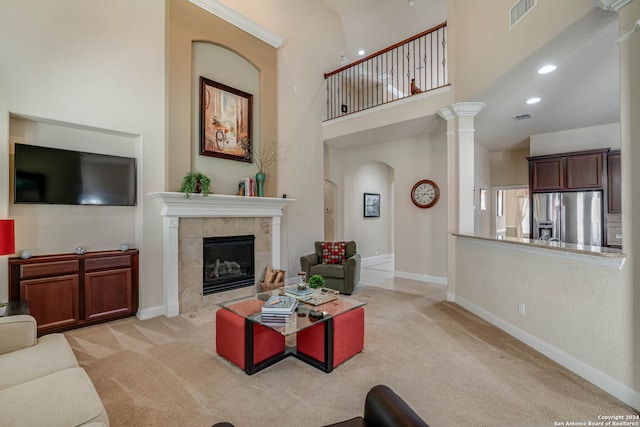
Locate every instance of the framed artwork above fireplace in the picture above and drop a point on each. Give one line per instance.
(225, 121)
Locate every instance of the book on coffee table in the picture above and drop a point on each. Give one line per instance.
(296, 292)
(280, 304)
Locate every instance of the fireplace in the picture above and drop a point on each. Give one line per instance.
(228, 263)
(187, 221)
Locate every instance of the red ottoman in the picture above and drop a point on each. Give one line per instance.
(231, 342)
(348, 337)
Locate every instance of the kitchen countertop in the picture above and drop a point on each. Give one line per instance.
(555, 246)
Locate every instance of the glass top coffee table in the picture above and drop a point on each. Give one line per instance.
(320, 311)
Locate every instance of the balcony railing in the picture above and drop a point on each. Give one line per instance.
(417, 64)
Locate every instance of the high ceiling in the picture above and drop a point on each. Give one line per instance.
(582, 92)
(373, 25)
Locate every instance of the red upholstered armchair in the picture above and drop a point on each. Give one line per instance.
(348, 338)
(231, 341)
(340, 271)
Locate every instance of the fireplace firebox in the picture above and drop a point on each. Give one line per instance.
(228, 263)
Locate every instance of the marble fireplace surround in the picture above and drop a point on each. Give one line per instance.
(187, 221)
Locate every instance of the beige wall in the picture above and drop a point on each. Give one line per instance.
(509, 168)
(97, 67)
(237, 73)
(582, 315)
(594, 137)
(374, 236)
(482, 181)
(187, 23)
(311, 47)
(482, 47)
(579, 309)
(419, 235)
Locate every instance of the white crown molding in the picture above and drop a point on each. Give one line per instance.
(240, 21)
(614, 5)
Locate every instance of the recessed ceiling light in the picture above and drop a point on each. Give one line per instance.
(533, 100)
(412, 2)
(547, 69)
(361, 52)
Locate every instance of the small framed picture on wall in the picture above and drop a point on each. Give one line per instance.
(371, 205)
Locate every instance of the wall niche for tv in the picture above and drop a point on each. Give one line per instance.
(45, 227)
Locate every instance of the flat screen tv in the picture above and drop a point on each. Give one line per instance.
(56, 176)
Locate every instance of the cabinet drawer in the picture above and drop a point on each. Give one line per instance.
(28, 271)
(107, 262)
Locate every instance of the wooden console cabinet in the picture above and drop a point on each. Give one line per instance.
(67, 291)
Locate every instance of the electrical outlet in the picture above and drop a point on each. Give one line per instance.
(521, 308)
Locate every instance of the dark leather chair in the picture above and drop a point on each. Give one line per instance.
(384, 408)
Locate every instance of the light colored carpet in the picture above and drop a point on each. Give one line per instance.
(453, 368)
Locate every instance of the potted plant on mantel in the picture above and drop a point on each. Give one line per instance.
(195, 183)
(316, 283)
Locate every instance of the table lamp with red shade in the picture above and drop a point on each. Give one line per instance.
(7, 240)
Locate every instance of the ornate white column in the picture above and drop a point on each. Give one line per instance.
(460, 143)
(460, 176)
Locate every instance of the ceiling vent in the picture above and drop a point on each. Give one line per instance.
(520, 9)
(521, 116)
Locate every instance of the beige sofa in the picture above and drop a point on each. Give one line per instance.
(41, 383)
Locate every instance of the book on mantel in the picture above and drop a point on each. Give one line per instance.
(279, 305)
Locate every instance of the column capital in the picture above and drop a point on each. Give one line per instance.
(614, 5)
(461, 109)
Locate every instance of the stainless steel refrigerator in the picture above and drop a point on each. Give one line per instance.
(570, 217)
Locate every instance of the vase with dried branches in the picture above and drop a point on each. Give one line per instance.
(265, 154)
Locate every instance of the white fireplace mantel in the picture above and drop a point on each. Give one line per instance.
(176, 206)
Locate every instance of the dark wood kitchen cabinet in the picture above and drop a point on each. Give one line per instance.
(547, 174)
(584, 171)
(614, 179)
(569, 171)
(66, 291)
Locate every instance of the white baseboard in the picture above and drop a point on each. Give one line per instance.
(607, 383)
(149, 313)
(421, 277)
(376, 259)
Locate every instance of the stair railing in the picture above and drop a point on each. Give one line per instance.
(412, 66)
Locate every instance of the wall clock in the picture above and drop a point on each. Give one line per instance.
(425, 193)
